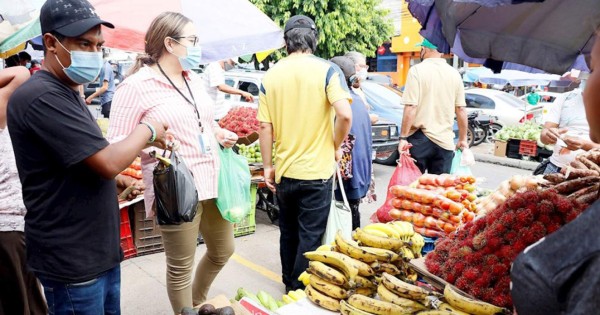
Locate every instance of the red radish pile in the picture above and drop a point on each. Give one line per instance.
(241, 120)
(437, 207)
(477, 257)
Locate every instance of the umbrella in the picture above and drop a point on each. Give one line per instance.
(19, 22)
(550, 35)
(514, 77)
(226, 28)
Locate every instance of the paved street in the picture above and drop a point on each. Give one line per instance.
(255, 265)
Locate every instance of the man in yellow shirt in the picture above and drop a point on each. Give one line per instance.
(299, 99)
(434, 92)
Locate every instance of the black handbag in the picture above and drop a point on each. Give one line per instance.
(175, 193)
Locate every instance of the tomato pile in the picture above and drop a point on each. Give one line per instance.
(438, 206)
(134, 170)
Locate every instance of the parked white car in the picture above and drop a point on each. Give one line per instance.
(509, 109)
(547, 100)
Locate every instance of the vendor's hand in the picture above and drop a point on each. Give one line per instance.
(573, 143)
(248, 97)
(172, 143)
(462, 144)
(138, 190)
(338, 155)
(269, 175)
(88, 101)
(403, 146)
(226, 138)
(554, 133)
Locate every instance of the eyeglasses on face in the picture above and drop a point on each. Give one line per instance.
(191, 38)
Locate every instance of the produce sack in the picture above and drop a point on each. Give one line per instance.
(340, 215)
(175, 193)
(233, 200)
(458, 167)
(406, 172)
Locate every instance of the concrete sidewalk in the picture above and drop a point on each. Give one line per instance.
(485, 153)
(256, 263)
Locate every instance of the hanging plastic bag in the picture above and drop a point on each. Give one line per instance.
(233, 200)
(468, 158)
(406, 172)
(340, 215)
(175, 192)
(457, 167)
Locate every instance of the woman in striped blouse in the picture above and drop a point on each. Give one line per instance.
(161, 87)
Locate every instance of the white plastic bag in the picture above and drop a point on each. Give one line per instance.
(340, 215)
(467, 158)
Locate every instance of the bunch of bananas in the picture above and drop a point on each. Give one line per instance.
(396, 230)
(369, 274)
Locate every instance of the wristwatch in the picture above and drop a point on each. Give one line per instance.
(403, 138)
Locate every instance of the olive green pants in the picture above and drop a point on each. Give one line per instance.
(180, 247)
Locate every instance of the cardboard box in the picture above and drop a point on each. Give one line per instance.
(249, 139)
(500, 148)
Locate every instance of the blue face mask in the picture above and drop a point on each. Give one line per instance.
(28, 65)
(192, 58)
(85, 66)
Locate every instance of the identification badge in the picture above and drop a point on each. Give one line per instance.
(204, 143)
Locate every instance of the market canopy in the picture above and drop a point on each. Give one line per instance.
(550, 35)
(512, 77)
(226, 28)
(19, 22)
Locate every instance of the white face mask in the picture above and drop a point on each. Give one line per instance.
(362, 74)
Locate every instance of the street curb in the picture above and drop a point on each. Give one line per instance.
(492, 159)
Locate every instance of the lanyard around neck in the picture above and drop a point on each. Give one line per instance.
(193, 102)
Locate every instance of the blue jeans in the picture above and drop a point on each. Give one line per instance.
(551, 168)
(303, 210)
(101, 295)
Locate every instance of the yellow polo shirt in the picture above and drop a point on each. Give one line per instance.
(436, 89)
(295, 97)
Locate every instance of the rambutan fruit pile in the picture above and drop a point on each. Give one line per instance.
(477, 258)
(241, 120)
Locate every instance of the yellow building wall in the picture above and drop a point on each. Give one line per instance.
(404, 45)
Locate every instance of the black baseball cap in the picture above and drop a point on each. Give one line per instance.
(299, 21)
(69, 18)
(346, 65)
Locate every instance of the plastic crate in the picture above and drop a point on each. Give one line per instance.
(512, 149)
(127, 245)
(543, 153)
(146, 232)
(528, 148)
(429, 245)
(248, 224)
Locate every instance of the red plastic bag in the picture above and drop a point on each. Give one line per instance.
(406, 172)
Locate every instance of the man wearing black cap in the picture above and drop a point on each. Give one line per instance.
(298, 100)
(67, 168)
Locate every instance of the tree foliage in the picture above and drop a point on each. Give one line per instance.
(344, 25)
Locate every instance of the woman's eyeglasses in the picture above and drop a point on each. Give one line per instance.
(192, 39)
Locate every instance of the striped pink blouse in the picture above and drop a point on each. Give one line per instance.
(148, 95)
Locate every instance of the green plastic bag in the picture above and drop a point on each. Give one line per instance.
(457, 168)
(234, 186)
